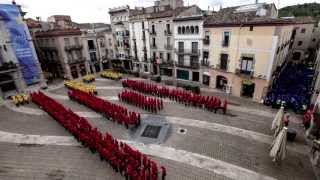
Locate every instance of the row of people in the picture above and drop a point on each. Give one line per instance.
(111, 111)
(182, 96)
(109, 74)
(147, 103)
(20, 99)
(75, 85)
(89, 78)
(121, 157)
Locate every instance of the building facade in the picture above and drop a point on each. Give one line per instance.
(120, 28)
(244, 54)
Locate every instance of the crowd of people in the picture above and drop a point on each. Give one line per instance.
(20, 99)
(182, 96)
(89, 78)
(122, 158)
(75, 85)
(113, 112)
(109, 74)
(147, 103)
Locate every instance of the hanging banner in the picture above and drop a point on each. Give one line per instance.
(16, 30)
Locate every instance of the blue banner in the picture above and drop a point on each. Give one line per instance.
(19, 41)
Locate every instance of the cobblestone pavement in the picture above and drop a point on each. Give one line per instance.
(22, 161)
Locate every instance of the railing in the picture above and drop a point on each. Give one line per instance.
(72, 47)
(192, 65)
(188, 52)
(153, 46)
(206, 41)
(168, 47)
(153, 33)
(219, 67)
(167, 33)
(245, 73)
(74, 61)
(225, 43)
(205, 63)
(167, 63)
(8, 66)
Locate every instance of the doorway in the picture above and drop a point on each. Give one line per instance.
(221, 82)
(248, 88)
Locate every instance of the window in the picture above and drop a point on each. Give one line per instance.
(195, 76)
(93, 56)
(154, 42)
(192, 30)
(246, 65)
(303, 30)
(183, 30)
(67, 41)
(179, 30)
(168, 41)
(194, 46)
(145, 68)
(299, 43)
(153, 31)
(182, 74)
(154, 55)
(181, 46)
(91, 45)
(181, 59)
(168, 28)
(224, 61)
(197, 29)
(168, 56)
(226, 39)
(188, 30)
(251, 28)
(161, 55)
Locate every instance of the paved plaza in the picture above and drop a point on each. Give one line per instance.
(196, 145)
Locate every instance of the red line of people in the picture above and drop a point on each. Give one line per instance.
(182, 96)
(147, 103)
(113, 112)
(122, 158)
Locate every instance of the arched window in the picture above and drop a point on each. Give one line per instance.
(192, 30)
(183, 30)
(179, 30)
(188, 30)
(197, 30)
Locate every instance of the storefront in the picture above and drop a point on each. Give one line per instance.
(182, 74)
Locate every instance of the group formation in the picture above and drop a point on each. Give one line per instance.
(113, 112)
(182, 96)
(20, 99)
(75, 85)
(147, 103)
(122, 158)
(89, 78)
(111, 75)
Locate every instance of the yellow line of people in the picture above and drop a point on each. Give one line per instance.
(111, 75)
(90, 89)
(89, 78)
(20, 99)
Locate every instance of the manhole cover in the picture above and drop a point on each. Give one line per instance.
(151, 131)
(182, 131)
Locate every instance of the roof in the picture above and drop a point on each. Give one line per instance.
(304, 20)
(167, 13)
(31, 23)
(58, 32)
(91, 25)
(245, 16)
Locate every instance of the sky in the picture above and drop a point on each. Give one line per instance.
(92, 11)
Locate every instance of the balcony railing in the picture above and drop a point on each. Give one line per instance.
(72, 47)
(192, 65)
(153, 33)
(193, 52)
(245, 73)
(153, 46)
(223, 68)
(205, 63)
(75, 61)
(167, 33)
(169, 63)
(206, 41)
(225, 43)
(8, 66)
(168, 47)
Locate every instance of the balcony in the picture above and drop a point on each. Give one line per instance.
(73, 47)
(153, 46)
(76, 61)
(221, 68)
(206, 41)
(245, 73)
(167, 33)
(126, 34)
(8, 67)
(191, 52)
(225, 44)
(205, 63)
(169, 63)
(168, 47)
(192, 65)
(153, 33)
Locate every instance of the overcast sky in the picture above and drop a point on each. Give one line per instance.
(97, 10)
